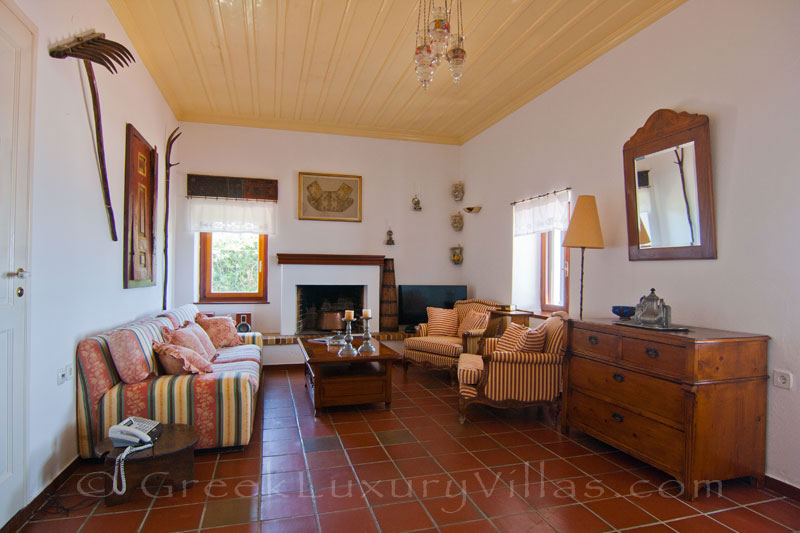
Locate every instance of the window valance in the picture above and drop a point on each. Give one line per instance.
(233, 216)
(542, 214)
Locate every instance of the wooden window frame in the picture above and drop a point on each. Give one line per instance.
(207, 296)
(544, 270)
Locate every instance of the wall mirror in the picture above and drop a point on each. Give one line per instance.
(668, 188)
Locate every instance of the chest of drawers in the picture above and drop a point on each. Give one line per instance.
(691, 404)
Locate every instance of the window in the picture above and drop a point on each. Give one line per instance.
(233, 267)
(540, 266)
(554, 270)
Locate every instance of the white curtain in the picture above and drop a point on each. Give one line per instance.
(233, 216)
(543, 214)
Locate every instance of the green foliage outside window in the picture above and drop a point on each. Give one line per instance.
(234, 262)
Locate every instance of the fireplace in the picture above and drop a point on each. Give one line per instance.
(321, 307)
(299, 270)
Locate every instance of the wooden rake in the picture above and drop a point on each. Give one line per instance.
(95, 48)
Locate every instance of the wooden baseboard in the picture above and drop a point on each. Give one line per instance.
(783, 488)
(26, 512)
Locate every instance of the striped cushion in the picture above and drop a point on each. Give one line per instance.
(430, 359)
(251, 368)
(181, 315)
(243, 352)
(221, 407)
(473, 304)
(131, 349)
(470, 368)
(511, 336)
(532, 340)
(473, 320)
(442, 322)
(450, 346)
(252, 337)
(554, 343)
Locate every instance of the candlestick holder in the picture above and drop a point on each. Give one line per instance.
(367, 346)
(347, 349)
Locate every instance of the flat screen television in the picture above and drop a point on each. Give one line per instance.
(414, 299)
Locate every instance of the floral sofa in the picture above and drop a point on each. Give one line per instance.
(220, 405)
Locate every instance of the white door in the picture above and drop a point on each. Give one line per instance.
(17, 46)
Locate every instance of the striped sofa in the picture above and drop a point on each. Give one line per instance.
(514, 379)
(441, 353)
(220, 405)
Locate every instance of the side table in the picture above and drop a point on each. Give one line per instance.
(172, 453)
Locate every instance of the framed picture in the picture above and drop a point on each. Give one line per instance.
(140, 201)
(335, 197)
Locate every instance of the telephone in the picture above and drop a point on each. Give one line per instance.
(134, 430)
(131, 431)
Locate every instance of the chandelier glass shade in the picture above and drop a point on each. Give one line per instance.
(435, 40)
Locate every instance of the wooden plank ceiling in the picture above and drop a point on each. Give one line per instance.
(346, 66)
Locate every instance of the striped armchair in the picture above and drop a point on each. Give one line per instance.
(514, 379)
(440, 352)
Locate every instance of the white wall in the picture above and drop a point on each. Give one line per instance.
(392, 172)
(76, 287)
(735, 61)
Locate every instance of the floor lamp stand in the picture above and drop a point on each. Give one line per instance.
(583, 251)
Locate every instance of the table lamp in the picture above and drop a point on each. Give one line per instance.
(584, 231)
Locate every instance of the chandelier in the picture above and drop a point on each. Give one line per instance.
(435, 40)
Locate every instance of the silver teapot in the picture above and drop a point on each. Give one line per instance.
(652, 311)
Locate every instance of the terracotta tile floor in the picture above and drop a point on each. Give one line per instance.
(415, 468)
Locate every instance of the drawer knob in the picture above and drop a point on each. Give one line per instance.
(618, 417)
(619, 378)
(593, 340)
(651, 352)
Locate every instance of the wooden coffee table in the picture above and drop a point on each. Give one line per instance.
(171, 454)
(348, 380)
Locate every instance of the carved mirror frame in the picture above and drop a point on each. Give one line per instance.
(664, 129)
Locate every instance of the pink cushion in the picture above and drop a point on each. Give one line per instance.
(181, 360)
(532, 340)
(220, 329)
(473, 320)
(511, 337)
(442, 322)
(208, 346)
(129, 357)
(183, 337)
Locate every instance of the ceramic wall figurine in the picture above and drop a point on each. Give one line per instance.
(457, 255)
(458, 191)
(457, 221)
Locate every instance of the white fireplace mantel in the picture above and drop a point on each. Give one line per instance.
(294, 273)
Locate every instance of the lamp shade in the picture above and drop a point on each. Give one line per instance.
(584, 226)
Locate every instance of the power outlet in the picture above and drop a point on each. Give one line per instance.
(782, 379)
(61, 376)
(70, 372)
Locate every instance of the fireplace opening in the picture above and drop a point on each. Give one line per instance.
(320, 308)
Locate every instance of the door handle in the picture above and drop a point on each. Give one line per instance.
(21, 273)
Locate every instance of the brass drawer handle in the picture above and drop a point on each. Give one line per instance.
(619, 378)
(618, 417)
(651, 352)
(593, 340)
